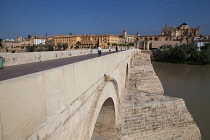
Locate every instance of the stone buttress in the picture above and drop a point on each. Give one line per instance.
(146, 114)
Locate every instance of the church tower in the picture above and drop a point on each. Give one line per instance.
(124, 34)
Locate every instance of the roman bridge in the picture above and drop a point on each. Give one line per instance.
(115, 96)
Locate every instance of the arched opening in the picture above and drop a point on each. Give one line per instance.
(105, 127)
(126, 78)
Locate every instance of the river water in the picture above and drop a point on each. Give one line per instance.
(192, 83)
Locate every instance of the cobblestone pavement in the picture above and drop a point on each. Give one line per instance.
(24, 69)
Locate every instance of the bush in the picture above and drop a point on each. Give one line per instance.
(65, 46)
(13, 51)
(31, 49)
(59, 46)
(183, 54)
(50, 48)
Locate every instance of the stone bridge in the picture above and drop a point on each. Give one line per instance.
(117, 96)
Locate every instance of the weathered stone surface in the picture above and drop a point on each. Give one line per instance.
(145, 114)
(11, 59)
(150, 116)
(65, 102)
(142, 75)
(61, 103)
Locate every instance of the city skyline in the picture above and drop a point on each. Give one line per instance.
(27, 17)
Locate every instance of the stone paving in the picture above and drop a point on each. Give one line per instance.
(24, 69)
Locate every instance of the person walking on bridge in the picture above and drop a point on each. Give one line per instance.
(109, 49)
(99, 51)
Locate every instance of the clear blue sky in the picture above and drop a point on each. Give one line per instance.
(24, 17)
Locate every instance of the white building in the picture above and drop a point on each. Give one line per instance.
(39, 41)
(201, 42)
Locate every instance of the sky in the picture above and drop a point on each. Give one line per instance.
(27, 17)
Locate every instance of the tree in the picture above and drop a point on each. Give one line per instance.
(114, 44)
(59, 46)
(131, 44)
(206, 47)
(50, 48)
(65, 46)
(50, 42)
(97, 44)
(70, 33)
(1, 43)
(183, 54)
(108, 44)
(78, 43)
(31, 48)
(29, 36)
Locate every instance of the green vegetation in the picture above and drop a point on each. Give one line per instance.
(77, 44)
(183, 54)
(31, 48)
(1, 42)
(59, 46)
(115, 44)
(13, 51)
(65, 46)
(47, 47)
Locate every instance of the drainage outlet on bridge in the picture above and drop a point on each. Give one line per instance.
(107, 78)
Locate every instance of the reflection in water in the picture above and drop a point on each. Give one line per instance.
(192, 83)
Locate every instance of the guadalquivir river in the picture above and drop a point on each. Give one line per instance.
(192, 83)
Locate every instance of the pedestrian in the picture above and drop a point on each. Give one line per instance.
(109, 49)
(99, 51)
(116, 48)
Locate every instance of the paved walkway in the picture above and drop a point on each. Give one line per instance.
(24, 69)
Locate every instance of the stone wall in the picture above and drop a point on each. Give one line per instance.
(142, 75)
(63, 102)
(156, 117)
(146, 115)
(11, 59)
(157, 44)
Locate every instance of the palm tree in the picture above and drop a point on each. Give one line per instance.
(108, 44)
(78, 43)
(1, 42)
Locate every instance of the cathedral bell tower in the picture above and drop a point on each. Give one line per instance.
(124, 34)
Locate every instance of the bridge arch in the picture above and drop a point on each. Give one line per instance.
(106, 103)
(105, 127)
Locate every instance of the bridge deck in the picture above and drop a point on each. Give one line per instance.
(24, 69)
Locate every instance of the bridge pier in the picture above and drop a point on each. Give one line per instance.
(147, 114)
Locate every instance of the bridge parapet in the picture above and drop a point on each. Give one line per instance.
(35, 105)
(65, 102)
(11, 59)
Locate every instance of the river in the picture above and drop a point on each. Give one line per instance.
(192, 83)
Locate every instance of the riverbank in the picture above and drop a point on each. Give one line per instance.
(183, 54)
